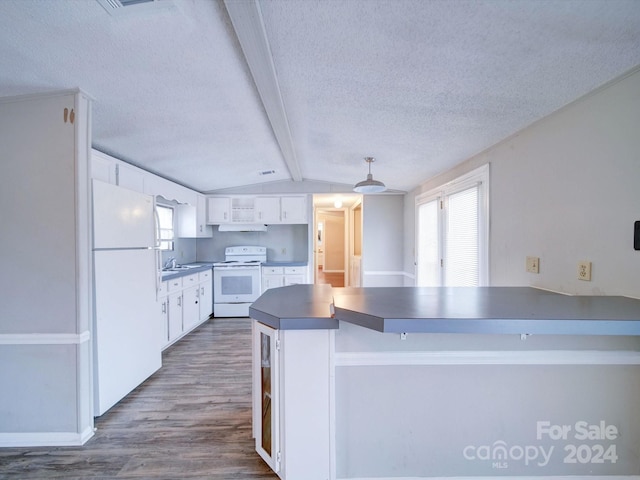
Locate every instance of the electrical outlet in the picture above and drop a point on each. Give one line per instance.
(584, 271)
(533, 264)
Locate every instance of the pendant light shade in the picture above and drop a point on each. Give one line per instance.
(369, 185)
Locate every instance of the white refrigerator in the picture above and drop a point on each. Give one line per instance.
(127, 338)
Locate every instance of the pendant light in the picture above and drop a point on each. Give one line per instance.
(369, 185)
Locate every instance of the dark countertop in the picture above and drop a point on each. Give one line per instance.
(284, 264)
(296, 307)
(489, 310)
(195, 267)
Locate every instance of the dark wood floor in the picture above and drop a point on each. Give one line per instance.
(191, 419)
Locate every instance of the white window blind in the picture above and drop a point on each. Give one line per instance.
(452, 232)
(461, 250)
(428, 250)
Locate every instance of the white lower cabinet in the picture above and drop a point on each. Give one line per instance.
(183, 304)
(191, 308)
(290, 405)
(206, 299)
(294, 275)
(163, 311)
(273, 277)
(175, 316)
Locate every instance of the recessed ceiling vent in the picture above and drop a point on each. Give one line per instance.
(118, 7)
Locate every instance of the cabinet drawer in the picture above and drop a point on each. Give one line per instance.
(295, 270)
(204, 276)
(190, 280)
(272, 270)
(175, 284)
(163, 289)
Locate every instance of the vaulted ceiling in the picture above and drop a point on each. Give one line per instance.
(211, 93)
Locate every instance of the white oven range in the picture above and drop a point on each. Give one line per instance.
(236, 281)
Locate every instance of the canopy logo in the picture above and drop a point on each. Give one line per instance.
(501, 455)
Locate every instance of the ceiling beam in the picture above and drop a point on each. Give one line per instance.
(246, 18)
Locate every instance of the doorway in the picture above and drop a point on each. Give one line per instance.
(337, 239)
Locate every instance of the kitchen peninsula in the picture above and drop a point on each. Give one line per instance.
(355, 383)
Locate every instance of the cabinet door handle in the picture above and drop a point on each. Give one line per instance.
(164, 307)
(180, 301)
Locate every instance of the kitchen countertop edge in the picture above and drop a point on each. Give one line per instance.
(284, 264)
(200, 267)
(501, 310)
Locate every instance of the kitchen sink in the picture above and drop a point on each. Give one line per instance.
(179, 268)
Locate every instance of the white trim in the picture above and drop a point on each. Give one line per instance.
(248, 24)
(49, 94)
(374, 273)
(44, 338)
(548, 477)
(464, 181)
(45, 439)
(332, 405)
(533, 357)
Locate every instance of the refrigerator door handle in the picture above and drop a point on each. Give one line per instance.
(158, 271)
(157, 222)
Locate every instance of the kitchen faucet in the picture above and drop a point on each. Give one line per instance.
(170, 263)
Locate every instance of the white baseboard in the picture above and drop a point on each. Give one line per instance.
(45, 439)
(44, 338)
(549, 477)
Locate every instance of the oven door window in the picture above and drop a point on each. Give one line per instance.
(236, 285)
(241, 285)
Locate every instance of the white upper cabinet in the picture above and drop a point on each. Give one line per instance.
(267, 209)
(113, 171)
(294, 209)
(192, 220)
(116, 172)
(130, 177)
(218, 210)
(103, 168)
(202, 229)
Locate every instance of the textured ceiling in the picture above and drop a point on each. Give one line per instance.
(421, 85)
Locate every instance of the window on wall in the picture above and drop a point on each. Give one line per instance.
(452, 232)
(165, 227)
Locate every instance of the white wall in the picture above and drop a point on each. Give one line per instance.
(565, 189)
(45, 313)
(382, 241)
